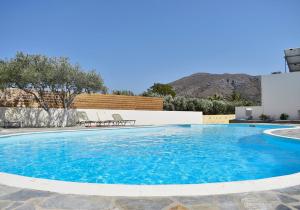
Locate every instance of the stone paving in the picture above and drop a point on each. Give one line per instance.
(294, 133)
(25, 199)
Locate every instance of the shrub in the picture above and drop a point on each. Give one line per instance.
(284, 116)
(207, 106)
(123, 92)
(264, 117)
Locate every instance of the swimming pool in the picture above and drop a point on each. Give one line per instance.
(154, 155)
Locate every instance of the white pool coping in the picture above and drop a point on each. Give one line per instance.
(64, 187)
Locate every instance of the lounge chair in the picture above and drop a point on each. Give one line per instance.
(83, 120)
(100, 122)
(120, 121)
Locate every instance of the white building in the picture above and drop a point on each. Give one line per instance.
(280, 93)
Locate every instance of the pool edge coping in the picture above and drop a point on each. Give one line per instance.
(64, 187)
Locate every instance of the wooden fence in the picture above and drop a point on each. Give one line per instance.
(16, 98)
(97, 101)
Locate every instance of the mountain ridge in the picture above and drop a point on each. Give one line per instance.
(204, 85)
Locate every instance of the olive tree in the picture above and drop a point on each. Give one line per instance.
(123, 92)
(41, 76)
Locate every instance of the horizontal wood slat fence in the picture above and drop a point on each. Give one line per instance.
(17, 98)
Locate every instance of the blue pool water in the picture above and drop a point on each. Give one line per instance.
(155, 155)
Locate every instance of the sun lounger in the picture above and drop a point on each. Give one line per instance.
(100, 122)
(120, 121)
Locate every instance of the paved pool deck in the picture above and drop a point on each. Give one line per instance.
(26, 199)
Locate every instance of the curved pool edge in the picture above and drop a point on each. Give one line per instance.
(64, 187)
(270, 132)
(76, 188)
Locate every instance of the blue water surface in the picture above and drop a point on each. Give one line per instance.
(154, 155)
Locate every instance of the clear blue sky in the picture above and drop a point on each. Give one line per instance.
(134, 43)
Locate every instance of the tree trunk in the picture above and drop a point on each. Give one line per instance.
(65, 118)
(49, 118)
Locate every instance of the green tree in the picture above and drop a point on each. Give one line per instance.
(235, 96)
(215, 97)
(160, 89)
(123, 92)
(40, 76)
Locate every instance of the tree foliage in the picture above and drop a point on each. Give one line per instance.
(123, 92)
(207, 106)
(40, 76)
(160, 89)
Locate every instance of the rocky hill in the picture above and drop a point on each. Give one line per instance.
(204, 85)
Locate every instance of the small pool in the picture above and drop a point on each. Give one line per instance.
(179, 154)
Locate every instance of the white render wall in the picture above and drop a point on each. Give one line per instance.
(36, 117)
(240, 112)
(146, 117)
(281, 94)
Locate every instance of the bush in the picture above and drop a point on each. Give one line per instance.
(123, 92)
(264, 117)
(284, 116)
(206, 106)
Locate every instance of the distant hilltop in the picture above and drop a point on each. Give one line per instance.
(205, 85)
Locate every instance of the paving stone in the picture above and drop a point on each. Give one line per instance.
(254, 202)
(228, 202)
(27, 206)
(297, 207)
(14, 205)
(4, 190)
(20, 199)
(267, 196)
(287, 199)
(78, 202)
(32, 204)
(194, 200)
(282, 207)
(4, 204)
(290, 190)
(143, 203)
(204, 207)
(23, 195)
(178, 207)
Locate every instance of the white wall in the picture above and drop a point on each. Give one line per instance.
(281, 94)
(147, 117)
(36, 117)
(240, 112)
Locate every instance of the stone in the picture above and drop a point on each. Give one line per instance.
(14, 205)
(4, 190)
(282, 207)
(254, 202)
(77, 202)
(178, 207)
(287, 199)
(143, 203)
(4, 204)
(27, 206)
(290, 190)
(194, 200)
(23, 195)
(204, 207)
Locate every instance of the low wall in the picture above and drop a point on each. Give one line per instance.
(37, 117)
(146, 117)
(240, 112)
(217, 119)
